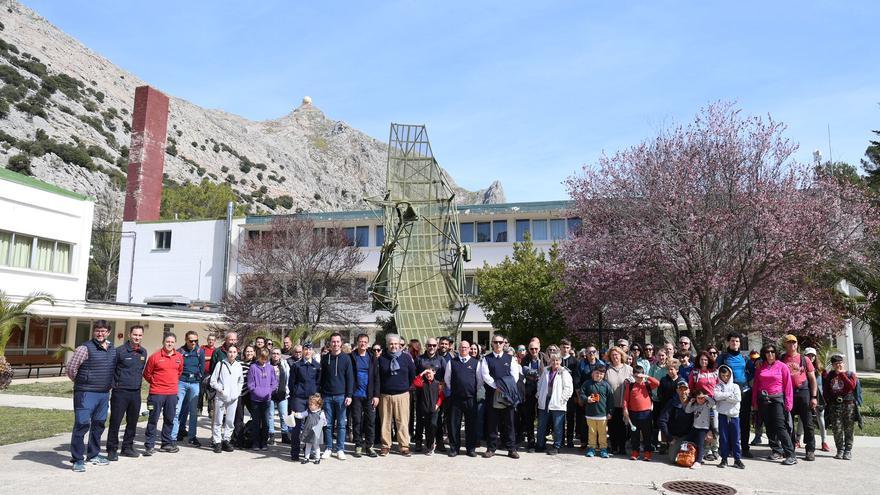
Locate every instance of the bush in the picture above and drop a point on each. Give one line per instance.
(261, 166)
(99, 152)
(35, 105)
(4, 108)
(216, 148)
(171, 150)
(244, 166)
(13, 93)
(224, 169)
(90, 106)
(285, 202)
(10, 75)
(34, 67)
(260, 176)
(66, 84)
(194, 144)
(99, 96)
(20, 163)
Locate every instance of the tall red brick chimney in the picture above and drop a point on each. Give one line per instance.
(149, 126)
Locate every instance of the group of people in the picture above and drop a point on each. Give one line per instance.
(631, 401)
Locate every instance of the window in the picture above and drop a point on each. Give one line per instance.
(5, 243)
(23, 251)
(470, 285)
(57, 334)
(499, 230)
(22, 246)
(380, 235)
(362, 236)
(16, 341)
(484, 232)
(61, 258)
(168, 328)
(348, 232)
(557, 229)
(574, 226)
(45, 249)
(467, 232)
(522, 226)
(253, 235)
(539, 230)
(37, 333)
(163, 240)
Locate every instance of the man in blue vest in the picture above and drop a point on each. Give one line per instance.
(91, 370)
(188, 389)
(125, 402)
(743, 371)
(499, 366)
(462, 380)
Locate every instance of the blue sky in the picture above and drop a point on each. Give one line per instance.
(523, 92)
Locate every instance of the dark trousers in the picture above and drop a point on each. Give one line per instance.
(503, 418)
(430, 422)
(745, 420)
(296, 404)
(617, 431)
(729, 438)
(363, 421)
(89, 415)
(244, 403)
(124, 404)
(465, 409)
(571, 422)
(528, 412)
(644, 434)
(260, 432)
(164, 405)
(698, 436)
(801, 408)
(777, 427)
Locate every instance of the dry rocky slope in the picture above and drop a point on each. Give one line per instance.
(65, 118)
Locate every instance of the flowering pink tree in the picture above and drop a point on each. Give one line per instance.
(713, 227)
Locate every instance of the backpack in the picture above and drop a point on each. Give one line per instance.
(687, 455)
(244, 438)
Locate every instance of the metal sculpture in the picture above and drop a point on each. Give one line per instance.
(420, 277)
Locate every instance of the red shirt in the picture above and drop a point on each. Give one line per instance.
(637, 397)
(798, 373)
(209, 352)
(163, 371)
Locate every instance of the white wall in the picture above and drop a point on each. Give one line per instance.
(36, 212)
(192, 267)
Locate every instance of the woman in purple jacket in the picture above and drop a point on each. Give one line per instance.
(261, 381)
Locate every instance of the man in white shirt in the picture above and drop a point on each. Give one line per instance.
(496, 366)
(463, 380)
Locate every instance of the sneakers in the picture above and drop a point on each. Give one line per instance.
(811, 456)
(170, 448)
(217, 448)
(358, 451)
(195, 442)
(271, 440)
(149, 451)
(825, 447)
(634, 456)
(756, 441)
(129, 453)
(603, 453)
(697, 465)
(790, 461)
(739, 464)
(371, 453)
(648, 455)
(226, 446)
(710, 457)
(839, 454)
(326, 455)
(99, 460)
(723, 463)
(774, 456)
(591, 452)
(552, 451)
(317, 460)
(79, 467)
(303, 461)
(340, 455)
(847, 455)
(112, 456)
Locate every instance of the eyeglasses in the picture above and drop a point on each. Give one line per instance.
(430, 345)
(714, 353)
(499, 342)
(534, 349)
(769, 351)
(193, 341)
(684, 342)
(591, 351)
(377, 349)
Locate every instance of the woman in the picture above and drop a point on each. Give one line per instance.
(617, 373)
(639, 358)
(840, 395)
(704, 376)
(555, 387)
(227, 381)
(659, 370)
(261, 382)
(772, 397)
(303, 382)
(819, 413)
(244, 399)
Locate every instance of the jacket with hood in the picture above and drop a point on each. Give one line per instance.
(337, 377)
(559, 393)
(261, 381)
(228, 380)
(727, 395)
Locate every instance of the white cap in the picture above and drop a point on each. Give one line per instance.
(809, 351)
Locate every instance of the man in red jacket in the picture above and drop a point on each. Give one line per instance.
(162, 372)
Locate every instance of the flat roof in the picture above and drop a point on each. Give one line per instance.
(25, 180)
(480, 209)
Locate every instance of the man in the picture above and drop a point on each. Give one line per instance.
(684, 346)
(532, 368)
(585, 366)
(396, 374)
(803, 382)
(572, 421)
(188, 389)
(649, 352)
(674, 422)
(259, 344)
(278, 400)
(125, 402)
(287, 348)
(365, 398)
(743, 370)
(204, 385)
(162, 372)
(303, 382)
(463, 382)
(337, 385)
(445, 351)
(220, 354)
(430, 359)
(91, 369)
(499, 371)
(624, 345)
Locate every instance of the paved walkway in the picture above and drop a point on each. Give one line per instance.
(42, 466)
(36, 402)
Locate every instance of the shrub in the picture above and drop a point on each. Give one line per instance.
(216, 148)
(33, 66)
(171, 150)
(224, 169)
(35, 105)
(99, 96)
(66, 84)
(194, 144)
(285, 202)
(260, 176)
(261, 166)
(4, 108)
(13, 93)
(202, 147)
(244, 166)
(90, 106)
(10, 75)
(20, 163)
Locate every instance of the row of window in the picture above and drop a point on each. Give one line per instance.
(38, 337)
(25, 251)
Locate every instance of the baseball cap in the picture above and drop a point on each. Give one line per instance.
(681, 384)
(307, 345)
(836, 358)
(809, 351)
(790, 338)
(754, 354)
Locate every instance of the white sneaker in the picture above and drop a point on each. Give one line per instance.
(697, 465)
(326, 455)
(340, 455)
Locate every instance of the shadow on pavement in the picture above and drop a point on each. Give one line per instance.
(58, 457)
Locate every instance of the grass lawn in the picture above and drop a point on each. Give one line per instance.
(20, 424)
(53, 389)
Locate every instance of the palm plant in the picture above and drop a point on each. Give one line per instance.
(12, 315)
(303, 333)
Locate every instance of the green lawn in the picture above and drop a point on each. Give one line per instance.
(53, 389)
(20, 424)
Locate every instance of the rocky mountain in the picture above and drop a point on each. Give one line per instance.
(65, 118)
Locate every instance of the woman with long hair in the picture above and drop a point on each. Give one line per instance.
(617, 373)
(772, 397)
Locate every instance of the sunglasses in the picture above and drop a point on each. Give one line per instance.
(193, 341)
(684, 343)
(534, 349)
(770, 352)
(714, 353)
(430, 345)
(497, 341)
(377, 350)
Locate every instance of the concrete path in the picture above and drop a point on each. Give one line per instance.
(36, 402)
(42, 466)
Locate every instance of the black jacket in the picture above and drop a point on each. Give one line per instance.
(372, 372)
(129, 371)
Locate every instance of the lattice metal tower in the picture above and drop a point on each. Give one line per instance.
(420, 277)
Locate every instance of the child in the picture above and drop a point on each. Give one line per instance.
(313, 428)
(227, 380)
(705, 422)
(598, 400)
(429, 398)
(727, 399)
(637, 408)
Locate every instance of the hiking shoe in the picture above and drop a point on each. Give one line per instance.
(195, 442)
(513, 454)
(170, 449)
(790, 461)
(79, 467)
(489, 454)
(149, 451)
(371, 453)
(774, 456)
(603, 453)
(99, 460)
(825, 447)
(358, 451)
(129, 453)
(739, 464)
(847, 455)
(217, 448)
(591, 452)
(811, 456)
(226, 446)
(723, 463)
(112, 456)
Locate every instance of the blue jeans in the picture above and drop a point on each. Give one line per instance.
(187, 405)
(544, 417)
(89, 415)
(729, 437)
(334, 409)
(281, 407)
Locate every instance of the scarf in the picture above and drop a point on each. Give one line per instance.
(394, 366)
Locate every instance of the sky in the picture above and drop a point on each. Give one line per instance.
(527, 93)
